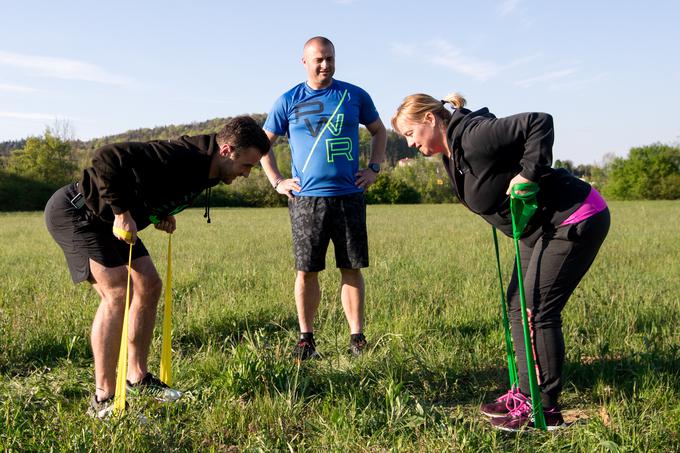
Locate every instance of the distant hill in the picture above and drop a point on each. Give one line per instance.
(168, 132)
(396, 147)
(142, 135)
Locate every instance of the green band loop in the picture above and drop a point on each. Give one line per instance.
(523, 206)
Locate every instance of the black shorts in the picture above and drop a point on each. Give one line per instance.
(317, 220)
(82, 235)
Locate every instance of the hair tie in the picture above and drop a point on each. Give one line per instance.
(443, 101)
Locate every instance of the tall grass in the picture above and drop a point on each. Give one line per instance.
(432, 321)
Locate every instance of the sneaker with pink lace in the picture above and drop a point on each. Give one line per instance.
(512, 401)
(517, 421)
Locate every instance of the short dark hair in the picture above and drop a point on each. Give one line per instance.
(243, 132)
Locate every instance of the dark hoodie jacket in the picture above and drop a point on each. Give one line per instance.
(488, 152)
(152, 180)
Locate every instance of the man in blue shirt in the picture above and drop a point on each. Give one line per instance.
(326, 193)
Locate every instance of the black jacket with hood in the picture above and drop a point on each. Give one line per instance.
(152, 180)
(487, 152)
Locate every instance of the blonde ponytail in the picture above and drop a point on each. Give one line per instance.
(455, 99)
(416, 106)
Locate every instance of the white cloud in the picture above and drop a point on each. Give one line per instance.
(28, 116)
(448, 56)
(441, 53)
(62, 68)
(16, 88)
(578, 83)
(507, 7)
(549, 76)
(403, 49)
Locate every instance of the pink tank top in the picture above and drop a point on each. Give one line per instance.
(593, 204)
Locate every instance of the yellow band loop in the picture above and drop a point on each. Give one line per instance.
(127, 235)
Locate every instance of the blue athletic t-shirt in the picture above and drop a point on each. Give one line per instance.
(323, 132)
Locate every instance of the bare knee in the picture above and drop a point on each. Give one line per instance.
(112, 302)
(351, 276)
(112, 290)
(308, 276)
(350, 272)
(148, 289)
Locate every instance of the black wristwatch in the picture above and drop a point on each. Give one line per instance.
(375, 167)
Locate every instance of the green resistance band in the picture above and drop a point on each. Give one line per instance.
(523, 205)
(509, 350)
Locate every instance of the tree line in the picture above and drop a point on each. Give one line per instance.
(33, 168)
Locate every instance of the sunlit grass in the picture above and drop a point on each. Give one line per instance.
(432, 322)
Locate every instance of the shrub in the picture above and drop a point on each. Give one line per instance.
(650, 172)
(388, 190)
(18, 193)
(429, 178)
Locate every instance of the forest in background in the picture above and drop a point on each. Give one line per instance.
(33, 168)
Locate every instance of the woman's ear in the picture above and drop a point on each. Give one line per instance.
(430, 119)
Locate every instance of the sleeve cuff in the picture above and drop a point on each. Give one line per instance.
(119, 209)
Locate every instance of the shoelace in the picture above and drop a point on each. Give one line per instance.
(517, 404)
(510, 394)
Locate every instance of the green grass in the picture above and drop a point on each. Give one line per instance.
(433, 322)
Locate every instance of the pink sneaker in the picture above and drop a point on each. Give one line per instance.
(516, 421)
(513, 401)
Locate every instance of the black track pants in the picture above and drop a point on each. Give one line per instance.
(552, 267)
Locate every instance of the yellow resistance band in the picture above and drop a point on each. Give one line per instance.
(119, 400)
(166, 350)
(166, 354)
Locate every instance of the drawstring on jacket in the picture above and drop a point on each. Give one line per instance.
(206, 214)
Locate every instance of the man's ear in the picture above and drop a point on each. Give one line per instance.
(226, 149)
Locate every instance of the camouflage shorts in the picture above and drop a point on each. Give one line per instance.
(317, 220)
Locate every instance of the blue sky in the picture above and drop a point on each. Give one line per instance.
(608, 71)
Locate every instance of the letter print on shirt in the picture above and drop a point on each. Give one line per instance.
(331, 149)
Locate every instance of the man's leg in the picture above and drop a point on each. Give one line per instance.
(110, 283)
(350, 238)
(147, 286)
(352, 295)
(307, 297)
(310, 242)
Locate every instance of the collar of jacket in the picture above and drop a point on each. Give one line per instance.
(207, 145)
(460, 119)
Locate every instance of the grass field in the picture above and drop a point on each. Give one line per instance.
(433, 323)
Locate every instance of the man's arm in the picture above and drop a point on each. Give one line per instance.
(268, 162)
(113, 164)
(124, 222)
(366, 177)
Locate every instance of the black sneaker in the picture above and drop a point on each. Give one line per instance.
(151, 385)
(516, 421)
(357, 344)
(100, 409)
(305, 349)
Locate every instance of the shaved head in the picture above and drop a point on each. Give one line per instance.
(318, 58)
(318, 40)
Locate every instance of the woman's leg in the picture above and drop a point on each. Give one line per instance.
(552, 268)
